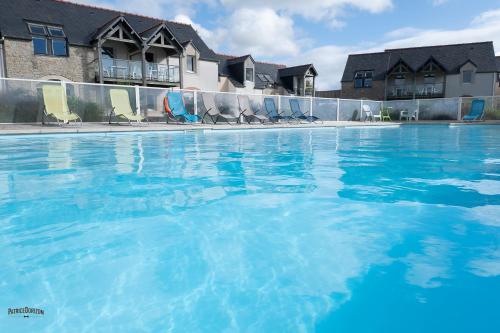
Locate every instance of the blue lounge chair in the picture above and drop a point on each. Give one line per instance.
(175, 108)
(298, 114)
(476, 111)
(272, 112)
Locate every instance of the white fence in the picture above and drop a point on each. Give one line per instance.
(21, 102)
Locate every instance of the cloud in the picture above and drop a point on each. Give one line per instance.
(213, 38)
(261, 33)
(314, 9)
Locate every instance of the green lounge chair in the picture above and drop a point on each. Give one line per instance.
(56, 105)
(385, 115)
(120, 102)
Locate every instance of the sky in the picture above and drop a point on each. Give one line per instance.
(323, 32)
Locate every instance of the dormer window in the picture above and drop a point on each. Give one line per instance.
(467, 76)
(363, 79)
(249, 74)
(48, 40)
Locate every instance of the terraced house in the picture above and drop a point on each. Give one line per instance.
(58, 40)
(423, 72)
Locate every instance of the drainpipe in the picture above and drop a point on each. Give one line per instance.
(99, 60)
(181, 69)
(2, 59)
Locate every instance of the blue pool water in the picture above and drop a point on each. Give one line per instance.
(326, 230)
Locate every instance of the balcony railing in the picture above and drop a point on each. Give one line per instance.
(132, 70)
(419, 90)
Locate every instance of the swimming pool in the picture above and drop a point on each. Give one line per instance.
(344, 230)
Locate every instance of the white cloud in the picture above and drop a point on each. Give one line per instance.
(213, 39)
(261, 33)
(314, 9)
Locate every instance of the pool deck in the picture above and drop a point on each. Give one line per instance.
(30, 129)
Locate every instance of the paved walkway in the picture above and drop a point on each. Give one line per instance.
(18, 129)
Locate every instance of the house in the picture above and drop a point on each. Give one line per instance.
(242, 74)
(422, 72)
(59, 40)
(51, 39)
(497, 85)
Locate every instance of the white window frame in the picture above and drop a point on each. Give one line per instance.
(193, 62)
(253, 74)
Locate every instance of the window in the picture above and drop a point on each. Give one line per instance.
(400, 80)
(467, 77)
(363, 79)
(36, 29)
(429, 78)
(262, 77)
(48, 40)
(249, 74)
(56, 32)
(39, 45)
(59, 47)
(368, 80)
(269, 78)
(191, 63)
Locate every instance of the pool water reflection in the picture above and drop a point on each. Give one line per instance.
(344, 230)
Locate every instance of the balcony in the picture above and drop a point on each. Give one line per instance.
(433, 90)
(131, 71)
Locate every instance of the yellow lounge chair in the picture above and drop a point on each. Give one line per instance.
(56, 104)
(120, 102)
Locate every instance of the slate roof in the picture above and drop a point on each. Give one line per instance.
(80, 22)
(237, 60)
(296, 70)
(260, 68)
(450, 57)
(497, 59)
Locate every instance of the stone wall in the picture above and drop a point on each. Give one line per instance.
(376, 92)
(21, 63)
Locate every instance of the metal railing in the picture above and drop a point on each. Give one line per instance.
(132, 70)
(21, 101)
(426, 90)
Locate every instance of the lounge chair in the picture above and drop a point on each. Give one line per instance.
(476, 111)
(298, 114)
(120, 102)
(175, 108)
(247, 112)
(272, 112)
(212, 111)
(368, 112)
(408, 115)
(56, 105)
(385, 114)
